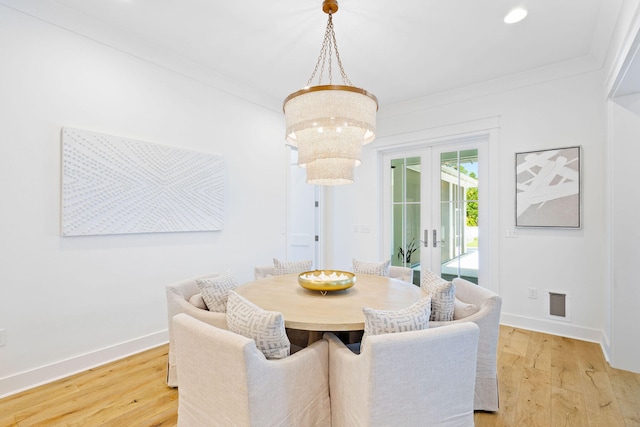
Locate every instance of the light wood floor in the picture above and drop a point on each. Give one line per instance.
(544, 381)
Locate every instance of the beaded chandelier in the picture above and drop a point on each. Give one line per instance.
(330, 123)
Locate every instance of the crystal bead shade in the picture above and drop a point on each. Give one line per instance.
(330, 172)
(329, 124)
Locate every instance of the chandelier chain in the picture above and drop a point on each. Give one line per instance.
(345, 79)
(329, 44)
(323, 56)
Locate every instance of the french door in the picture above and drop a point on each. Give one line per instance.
(433, 214)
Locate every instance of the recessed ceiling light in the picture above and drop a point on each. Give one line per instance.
(516, 15)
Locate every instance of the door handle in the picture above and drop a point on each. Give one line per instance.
(435, 238)
(426, 238)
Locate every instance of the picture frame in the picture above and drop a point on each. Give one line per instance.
(548, 189)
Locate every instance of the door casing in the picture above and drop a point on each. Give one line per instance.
(429, 151)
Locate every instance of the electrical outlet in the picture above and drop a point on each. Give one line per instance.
(3, 337)
(533, 293)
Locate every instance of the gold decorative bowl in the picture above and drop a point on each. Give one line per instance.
(326, 280)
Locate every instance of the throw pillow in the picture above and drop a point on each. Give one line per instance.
(374, 268)
(215, 291)
(266, 328)
(413, 318)
(463, 309)
(429, 278)
(291, 267)
(443, 295)
(198, 302)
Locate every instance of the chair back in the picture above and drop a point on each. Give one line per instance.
(262, 271)
(178, 295)
(225, 380)
(408, 378)
(403, 273)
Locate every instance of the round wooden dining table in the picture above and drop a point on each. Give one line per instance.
(334, 311)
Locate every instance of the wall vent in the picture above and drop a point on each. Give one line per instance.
(558, 305)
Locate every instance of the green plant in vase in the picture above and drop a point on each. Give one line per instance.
(404, 254)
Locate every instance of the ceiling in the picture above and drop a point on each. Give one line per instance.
(399, 51)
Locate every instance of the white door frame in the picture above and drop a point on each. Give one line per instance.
(487, 129)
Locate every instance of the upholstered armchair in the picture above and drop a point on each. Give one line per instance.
(226, 381)
(485, 306)
(262, 271)
(182, 297)
(281, 267)
(412, 378)
(403, 273)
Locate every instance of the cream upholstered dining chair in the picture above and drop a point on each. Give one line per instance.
(225, 380)
(368, 267)
(382, 269)
(482, 307)
(281, 267)
(262, 271)
(403, 273)
(423, 377)
(184, 297)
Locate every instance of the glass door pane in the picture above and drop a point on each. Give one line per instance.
(459, 214)
(405, 193)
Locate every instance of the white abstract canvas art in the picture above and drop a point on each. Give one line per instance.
(548, 188)
(114, 185)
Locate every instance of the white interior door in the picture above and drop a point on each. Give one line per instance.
(303, 215)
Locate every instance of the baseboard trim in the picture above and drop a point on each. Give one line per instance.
(606, 348)
(549, 326)
(45, 374)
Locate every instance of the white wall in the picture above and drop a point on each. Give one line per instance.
(563, 112)
(621, 342)
(625, 292)
(68, 303)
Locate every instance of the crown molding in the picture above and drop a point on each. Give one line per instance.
(85, 26)
(532, 77)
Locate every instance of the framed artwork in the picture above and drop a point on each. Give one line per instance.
(548, 188)
(115, 185)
